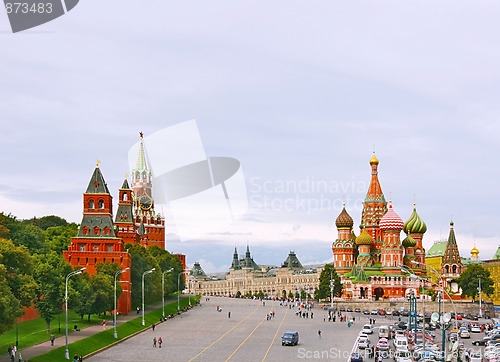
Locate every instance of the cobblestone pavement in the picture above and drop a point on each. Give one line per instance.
(246, 334)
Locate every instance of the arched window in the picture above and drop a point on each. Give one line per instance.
(125, 197)
(447, 269)
(91, 204)
(101, 204)
(454, 269)
(97, 231)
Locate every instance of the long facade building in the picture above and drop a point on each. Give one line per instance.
(369, 264)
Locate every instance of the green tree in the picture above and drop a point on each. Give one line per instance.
(10, 306)
(50, 273)
(102, 291)
(469, 281)
(19, 265)
(142, 261)
(46, 222)
(58, 238)
(328, 273)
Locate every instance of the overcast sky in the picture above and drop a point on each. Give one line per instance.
(301, 93)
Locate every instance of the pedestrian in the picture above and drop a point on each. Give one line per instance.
(52, 339)
(80, 359)
(160, 341)
(319, 333)
(229, 314)
(312, 314)
(138, 309)
(103, 324)
(153, 326)
(20, 358)
(154, 342)
(75, 358)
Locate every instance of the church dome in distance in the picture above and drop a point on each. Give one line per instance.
(391, 220)
(344, 220)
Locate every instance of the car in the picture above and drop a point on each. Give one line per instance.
(405, 313)
(356, 357)
(402, 356)
(464, 333)
(475, 356)
(374, 311)
(290, 339)
(459, 316)
(366, 311)
(382, 312)
(396, 313)
(383, 344)
(481, 342)
(349, 309)
(342, 308)
(357, 310)
(367, 329)
(363, 341)
(475, 328)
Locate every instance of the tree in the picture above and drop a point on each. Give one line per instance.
(469, 281)
(10, 307)
(50, 273)
(328, 273)
(58, 238)
(46, 222)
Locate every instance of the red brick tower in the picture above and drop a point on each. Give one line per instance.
(151, 225)
(392, 251)
(344, 247)
(374, 208)
(97, 241)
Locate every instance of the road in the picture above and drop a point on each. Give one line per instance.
(204, 334)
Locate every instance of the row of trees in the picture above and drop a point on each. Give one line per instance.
(33, 272)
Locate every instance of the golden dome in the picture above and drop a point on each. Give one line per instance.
(474, 251)
(374, 160)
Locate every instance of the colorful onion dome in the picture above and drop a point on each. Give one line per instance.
(344, 220)
(415, 225)
(409, 242)
(364, 238)
(391, 220)
(374, 160)
(474, 251)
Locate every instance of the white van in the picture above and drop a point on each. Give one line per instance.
(383, 332)
(401, 343)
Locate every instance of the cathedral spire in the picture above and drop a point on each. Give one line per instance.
(374, 193)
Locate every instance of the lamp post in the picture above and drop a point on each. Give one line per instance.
(480, 306)
(178, 289)
(332, 285)
(76, 272)
(114, 315)
(143, 274)
(163, 290)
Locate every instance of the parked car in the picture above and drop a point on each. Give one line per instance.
(357, 310)
(290, 339)
(402, 356)
(356, 357)
(342, 308)
(363, 341)
(374, 311)
(475, 328)
(396, 313)
(464, 333)
(366, 311)
(367, 329)
(383, 344)
(349, 309)
(381, 312)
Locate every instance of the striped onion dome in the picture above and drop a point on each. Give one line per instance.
(391, 220)
(415, 225)
(364, 238)
(409, 242)
(344, 220)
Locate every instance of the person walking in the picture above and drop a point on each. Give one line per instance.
(160, 341)
(52, 339)
(154, 342)
(153, 326)
(319, 333)
(229, 314)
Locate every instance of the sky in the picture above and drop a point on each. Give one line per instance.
(300, 93)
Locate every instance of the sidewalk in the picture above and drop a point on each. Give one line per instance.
(38, 349)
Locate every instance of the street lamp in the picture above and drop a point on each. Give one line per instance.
(332, 285)
(76, 272)
(178, 289)
(114, 316)
(480, 306)
(163, 290)
(143, 274)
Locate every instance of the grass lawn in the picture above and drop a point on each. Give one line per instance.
(35, 331)
(106, 338)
